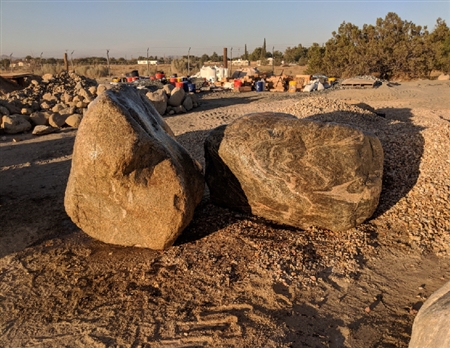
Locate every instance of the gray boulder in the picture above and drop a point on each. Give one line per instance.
(159, 100)
(431, 327)
(4, 111)
(176, 96)
(296, 172)
(131, 183)
(187, 103)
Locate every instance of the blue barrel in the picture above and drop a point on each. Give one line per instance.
(259, 85)
(185, 86)
(191, 87)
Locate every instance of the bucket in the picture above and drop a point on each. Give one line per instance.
(259, 86)
(173, 80)
(129, 79)
(159, 76)
(237, 83)
(179, 79)
(191, 87)
(185, 86)
(292, 86)
(179, 84)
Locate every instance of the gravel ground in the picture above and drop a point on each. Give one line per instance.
(233, 280)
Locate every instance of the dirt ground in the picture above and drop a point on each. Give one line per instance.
(230, 280)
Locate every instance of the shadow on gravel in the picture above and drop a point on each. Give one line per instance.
(32, 191)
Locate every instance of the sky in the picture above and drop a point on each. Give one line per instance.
(127, 28)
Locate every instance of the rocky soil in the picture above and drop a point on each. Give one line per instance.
(232, 279)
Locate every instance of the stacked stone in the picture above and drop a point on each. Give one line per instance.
(172, 100)
(46, 105)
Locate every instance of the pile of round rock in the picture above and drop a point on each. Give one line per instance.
(48, 104)
(171, 100)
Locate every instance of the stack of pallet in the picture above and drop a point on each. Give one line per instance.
(277, 83)
(302, 81)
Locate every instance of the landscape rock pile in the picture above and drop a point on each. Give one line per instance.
(170, 100)
(53, 100)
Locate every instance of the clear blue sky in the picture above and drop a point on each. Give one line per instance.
(128, 27)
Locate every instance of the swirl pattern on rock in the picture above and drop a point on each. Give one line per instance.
(131, 182)
(431, 326)
(296, 172)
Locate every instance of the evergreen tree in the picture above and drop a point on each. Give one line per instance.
(263, 54)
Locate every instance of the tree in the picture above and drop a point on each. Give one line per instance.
(315, 59)
(263, 54)
(293, 55)
(204, 58)
(439, 42)
(277, 57)
(256, 54)
(4, 63)
(214, 57)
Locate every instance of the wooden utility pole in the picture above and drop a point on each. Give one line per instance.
(107, 60)
(66, 62)
(148, 66)
(225, 58)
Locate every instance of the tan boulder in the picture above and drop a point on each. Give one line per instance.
(57, 120)
(42, 130)
(58, 107)
(168, 88)
(443, 77)
(131, 183)
(101, 88)
(295, 172)
(40, 118)
(93, 90)
(74, 120)
(13, 124)
(431, 327)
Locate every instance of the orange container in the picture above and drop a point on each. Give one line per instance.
(237, 83)
(179, 84)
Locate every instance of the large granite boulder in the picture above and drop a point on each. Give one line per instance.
(431, 326)
(131, 183)
(296, 172)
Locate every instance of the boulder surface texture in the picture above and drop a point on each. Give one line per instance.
(431, 326)
(131, 183)
(295, 172)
